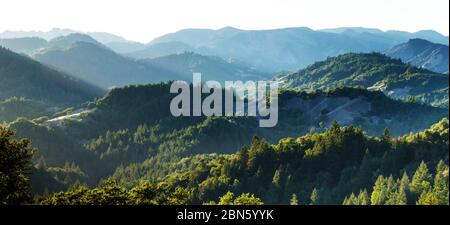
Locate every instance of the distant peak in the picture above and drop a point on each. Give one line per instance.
(418, 42)
(229, 28)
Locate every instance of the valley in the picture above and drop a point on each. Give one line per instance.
(358, 110)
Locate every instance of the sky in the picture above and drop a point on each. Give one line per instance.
(144, 20)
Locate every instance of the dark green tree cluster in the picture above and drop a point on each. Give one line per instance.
(319, 168)
(15, 166)
(421, 190)
(374, 71)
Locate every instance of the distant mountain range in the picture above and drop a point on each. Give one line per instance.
(283, 49)
(90, 60)
(211, 67)
(21, 76)
(423, 54)
(115, 42)
(102, 37)
(267, 50)
(373, 71)
(101, 66)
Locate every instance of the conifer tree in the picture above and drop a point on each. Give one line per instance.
(421, 181)
(314, 197)
(441, 181)
(294, 200)
(363, 198)
(379, 193)
(15, 165)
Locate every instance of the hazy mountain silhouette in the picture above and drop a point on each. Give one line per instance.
(21, 76)
(423, 54)
(285, 49)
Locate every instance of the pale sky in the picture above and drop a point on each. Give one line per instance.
(143, 20)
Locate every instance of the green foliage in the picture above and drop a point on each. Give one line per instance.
(124, 139)
(320, 168)
(243, 199)
(110, 193)
(12, 108)
(294, 200)
(421, 181)
(15, 158)
(387, 191)
(374, 71)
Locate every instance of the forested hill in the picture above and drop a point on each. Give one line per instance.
(423, 54)
(373, 71)
(211, 67)
(320, 168)
(102, 66)
(23, 77)
(132, 128)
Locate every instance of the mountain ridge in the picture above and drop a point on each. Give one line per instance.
(423, 54)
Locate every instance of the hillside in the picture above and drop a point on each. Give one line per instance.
(102, 66)
(423, 54)
(373, 71)
(34, 45)
(212, 68)
(26, 45)
(23, 77)
(160, 50)
(316, 169)
(13, 108)
(122, 128)
(282, 49)
(320, 168)
(101, 37)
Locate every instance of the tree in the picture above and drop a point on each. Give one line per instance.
(276, 178)
(15, 165)
(379, 193)
(421, 181)
(441, 181)
(247, 199)
(244, 199)
(294, 200)
(363, 198)
(386, 134)
(401, 198)
(314, 197)
(227, 199)
(351, 200)
(427, 198)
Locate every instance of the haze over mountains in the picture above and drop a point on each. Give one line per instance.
(269, 50)
(234, 54)
(102, 66)
(423, 54)
(97, 107)
(290, 48)
(23, 77)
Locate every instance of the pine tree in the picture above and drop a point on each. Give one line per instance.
(441, 181)
(294, 200)
(351, 200)
(427, 198)
(401, 198)
(314, 197)
(421, 181)
(15, 165)
(276, 178)
(386, 134)
(363, 198)
(379, 194)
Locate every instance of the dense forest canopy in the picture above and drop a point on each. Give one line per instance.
(321, 168)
